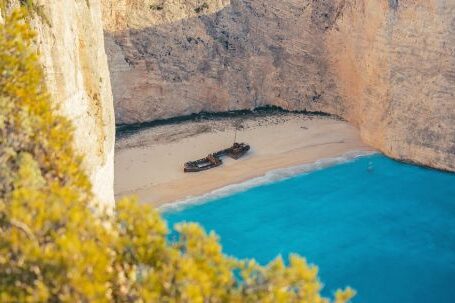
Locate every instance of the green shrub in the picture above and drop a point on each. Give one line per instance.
(201, 8)
(157, 7)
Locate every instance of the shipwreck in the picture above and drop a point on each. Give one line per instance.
(236, 151)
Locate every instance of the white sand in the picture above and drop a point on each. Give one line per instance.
(149, 164)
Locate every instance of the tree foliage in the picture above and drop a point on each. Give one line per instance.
(55, 248)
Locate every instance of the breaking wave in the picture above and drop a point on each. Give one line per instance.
(270, 177)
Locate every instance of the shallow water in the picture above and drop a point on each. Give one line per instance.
(385, 228)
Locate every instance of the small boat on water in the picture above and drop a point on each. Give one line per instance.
(236, 151)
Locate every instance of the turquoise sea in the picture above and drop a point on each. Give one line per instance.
(383, 227)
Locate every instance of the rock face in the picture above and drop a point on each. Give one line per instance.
(224, 55)
(386, 66)
(70, 42)
(395, 67)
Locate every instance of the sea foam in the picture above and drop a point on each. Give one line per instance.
(269, 177)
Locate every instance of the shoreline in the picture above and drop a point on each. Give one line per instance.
(149, 163)
(276, 175)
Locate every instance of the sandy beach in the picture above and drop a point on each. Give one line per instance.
(149, 162)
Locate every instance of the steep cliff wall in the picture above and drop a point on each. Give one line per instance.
(386, 66)
(395, 67)
(71, 46)
(229, 55)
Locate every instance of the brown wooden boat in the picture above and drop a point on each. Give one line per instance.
(236, 151)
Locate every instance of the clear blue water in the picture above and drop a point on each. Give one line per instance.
(385, 228)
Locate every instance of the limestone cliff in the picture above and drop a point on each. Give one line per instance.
(71, 46)
(223, 55)
(386, 66)
(395, 67)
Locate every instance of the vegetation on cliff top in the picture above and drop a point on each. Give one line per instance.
(54, 246)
